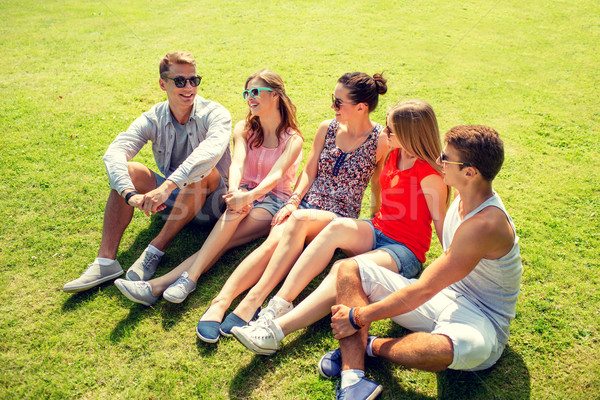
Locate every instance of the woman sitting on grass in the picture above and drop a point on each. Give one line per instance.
(266, 155)
(397, 238)
(345, 154)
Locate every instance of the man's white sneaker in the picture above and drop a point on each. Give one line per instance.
(144, 267)
(138, 291)
(94, 275)
(259, 339)
(179, 290)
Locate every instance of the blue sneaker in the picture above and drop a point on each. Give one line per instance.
(232, 320)
(208, 331)
(330, 365)
(364, 389)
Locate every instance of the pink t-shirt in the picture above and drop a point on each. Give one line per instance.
(259, 162)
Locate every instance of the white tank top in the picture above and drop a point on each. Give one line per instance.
(493, 285)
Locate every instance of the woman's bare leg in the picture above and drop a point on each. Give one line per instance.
(231, 230)
(318, 304)
(301, 227)
(352, 236)
(245, 276)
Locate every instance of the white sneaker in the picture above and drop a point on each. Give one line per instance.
(179, 290)
(94, 275)
(275, 309)
(259, 339)
(144, 267)
(138, 291)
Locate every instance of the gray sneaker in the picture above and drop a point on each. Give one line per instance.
(144, 267)
(179, 290)
(93, 276)
(138, 291)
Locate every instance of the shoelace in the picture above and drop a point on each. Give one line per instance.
(263, 335)
(140, 284)
(148, 260)
(181, 282)
(339, 394)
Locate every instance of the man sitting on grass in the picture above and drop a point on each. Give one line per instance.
(190, 142)
(460, 308)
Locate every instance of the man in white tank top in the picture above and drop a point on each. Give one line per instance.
(460, 308)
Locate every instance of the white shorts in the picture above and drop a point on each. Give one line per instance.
(448, 313)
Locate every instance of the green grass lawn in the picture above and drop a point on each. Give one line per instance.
(75, 74)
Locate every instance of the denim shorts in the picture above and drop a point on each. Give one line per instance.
(211, 210)
(408, 264)
(271, 203)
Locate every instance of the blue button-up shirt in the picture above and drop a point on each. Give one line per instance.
(209, 131)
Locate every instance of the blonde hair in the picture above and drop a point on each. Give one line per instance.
(416, 127)
(176, 57)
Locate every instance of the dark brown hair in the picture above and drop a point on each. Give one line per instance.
(479, 146)
(363, 88)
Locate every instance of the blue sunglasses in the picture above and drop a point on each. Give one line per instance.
(255, 92)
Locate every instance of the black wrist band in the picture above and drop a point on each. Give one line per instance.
(351, 318)
(130, 195)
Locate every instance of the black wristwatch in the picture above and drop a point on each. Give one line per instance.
(130, 195)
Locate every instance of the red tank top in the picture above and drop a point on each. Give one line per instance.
(404, 215)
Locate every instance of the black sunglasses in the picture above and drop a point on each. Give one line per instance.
(181, 81)
(337, 103)
(444, 159)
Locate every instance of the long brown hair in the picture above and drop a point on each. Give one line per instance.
(287, 109)
(416, 128)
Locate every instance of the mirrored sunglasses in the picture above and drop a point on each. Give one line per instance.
(255, 92)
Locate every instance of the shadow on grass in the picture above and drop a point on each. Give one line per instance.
(126, 258)
(508, 379)
(249, 378)
(185, 244)
(126, 326)
(79, 299)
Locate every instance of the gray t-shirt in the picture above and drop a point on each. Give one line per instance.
(181, 145)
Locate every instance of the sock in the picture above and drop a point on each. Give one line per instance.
(370, 345)
(104, 262)
(282, 301)
(156, 251)
(276, 330)
(350, 377)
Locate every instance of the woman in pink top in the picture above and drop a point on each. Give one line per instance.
(267, 151)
